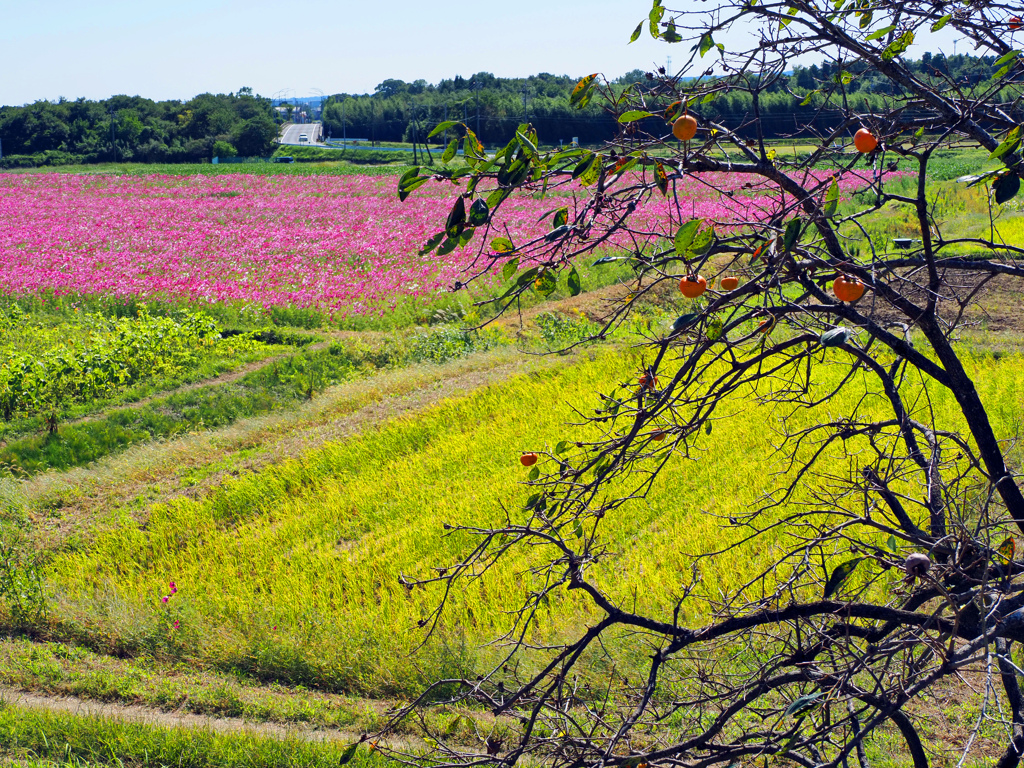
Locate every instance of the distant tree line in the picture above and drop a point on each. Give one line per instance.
(493, 107)
(136, 129)
(132, 128)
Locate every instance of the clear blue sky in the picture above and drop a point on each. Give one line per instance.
(178, 48)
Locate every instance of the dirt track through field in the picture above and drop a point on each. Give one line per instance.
(224, 378)
(133, 713)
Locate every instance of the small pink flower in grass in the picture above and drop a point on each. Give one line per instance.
(177, 623)
(165, 598)
(174, 587)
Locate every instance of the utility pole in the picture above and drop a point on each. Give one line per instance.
(477, 85)
(319, 93)
(415, 159)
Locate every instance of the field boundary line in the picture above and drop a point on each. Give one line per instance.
(144, 715)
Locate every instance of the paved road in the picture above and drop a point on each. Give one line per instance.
(291, 131)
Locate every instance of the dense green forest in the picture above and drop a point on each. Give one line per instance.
(493, 107)
(132, 128)
(136, 129)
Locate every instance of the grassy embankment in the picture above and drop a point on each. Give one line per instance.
(291, 574)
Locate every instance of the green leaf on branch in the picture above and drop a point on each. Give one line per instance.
(1006, 187)
(432, 243)
(406, 188)
(660, 177)
(670, 35)
(442, 127)
(898, 46)
(557, 233)
(515, 173)
(451, 150)
(561, 218)
(714, 330)
(502, 245)
(478, 213)
(881, 33)
(941, 22)
(702, 242)
(580, 95)
(449, 245)
(684, 236)
(1010, 143)
(1007, 550)
(654, 20)
(590, 176)
(636, 32)
(633, 115)
(706, 43)
(808, 98)
(472, 147)
(546, 283)
(835, 337)
(527, 277)
(456, 219)
(573, 282)
(684, 321)
(562, 447)
(529, 146)
(831, 199)
(839, 575)
(584, 165)
(1006, 58)
(348, 754)
(496, 197)
(509, 269)
(792, 234)
(804, 703)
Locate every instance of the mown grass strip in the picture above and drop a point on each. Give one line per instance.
(33, 734)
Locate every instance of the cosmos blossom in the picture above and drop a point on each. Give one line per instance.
(342, 244)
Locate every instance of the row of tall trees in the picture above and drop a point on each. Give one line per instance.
(133, 128)
(493, 106)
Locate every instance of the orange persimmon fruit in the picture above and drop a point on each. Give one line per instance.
(848, 288)
(528, 459)
(865, 141)
(684, 128)
(693, 286)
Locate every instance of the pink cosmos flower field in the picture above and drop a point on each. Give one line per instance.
(342, 244)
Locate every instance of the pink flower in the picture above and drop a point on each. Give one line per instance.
(339, 244)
